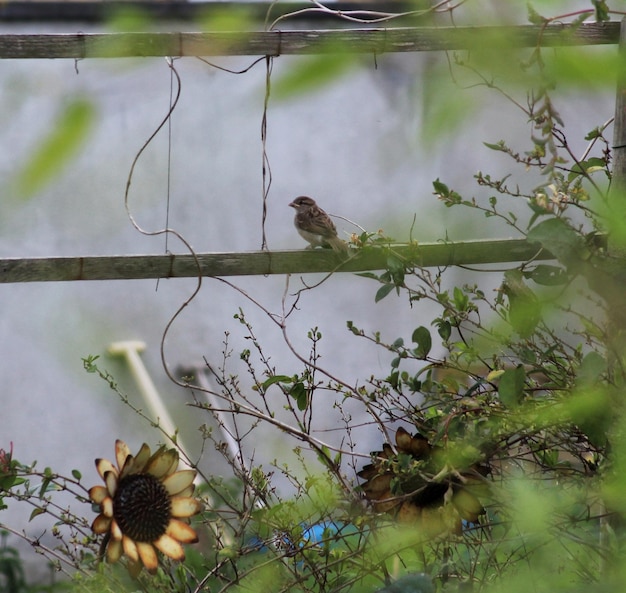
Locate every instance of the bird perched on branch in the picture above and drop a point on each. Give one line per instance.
(315, 226)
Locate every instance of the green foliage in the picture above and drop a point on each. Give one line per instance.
(11, 570)
(502, 461)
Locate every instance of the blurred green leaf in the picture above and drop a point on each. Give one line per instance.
(591, 369)
(591, 408)
(309, 74)
(229, 18)
(128, 19)
(558, 237)
(524, 307)
(592, 68)
(56, 151)
(511, 387)
(444, 107)
(602, 10)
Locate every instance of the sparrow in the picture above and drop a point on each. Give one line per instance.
(315, 226)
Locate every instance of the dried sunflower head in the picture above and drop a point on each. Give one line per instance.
(413, 484)
(144, 506)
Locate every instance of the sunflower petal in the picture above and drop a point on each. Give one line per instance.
(130, 548)
(162, 463)
(114, 551)
(98, 493)
(122, 453)
(101, 524)
(181, 532)
(183, 506)
(170, 547)
(148, 556)
(103, 466)
(107, 507)
(116, 532)
(187, 491)
(111, 479)
(179, 481)
(137, 463)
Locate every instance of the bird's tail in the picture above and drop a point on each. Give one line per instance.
(337, 244)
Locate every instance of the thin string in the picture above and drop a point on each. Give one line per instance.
(169, 155)
(170, 63)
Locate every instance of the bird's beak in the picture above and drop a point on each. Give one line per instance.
(292, 205)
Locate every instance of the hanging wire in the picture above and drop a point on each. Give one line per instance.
(267, 170)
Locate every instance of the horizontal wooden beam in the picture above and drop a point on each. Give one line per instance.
(276, 42)
(132, 267)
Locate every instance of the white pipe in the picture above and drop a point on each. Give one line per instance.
(130, 349)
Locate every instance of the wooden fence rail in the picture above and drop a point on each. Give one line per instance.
(369, 40)
(292, 42)
(132, 267)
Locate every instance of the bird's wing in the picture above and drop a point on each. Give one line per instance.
(318, 222)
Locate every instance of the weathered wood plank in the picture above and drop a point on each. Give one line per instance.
(129, 267)
(274, 43)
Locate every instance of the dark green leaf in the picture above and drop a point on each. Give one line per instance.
(299, 392)
(560, 239)
(602, 10)
(440, 187)
(44, 486)
(421, 336)
(534, 17)
(276, 379)
(588, 166)
(548, 275)
(77, 475)
(393, 379)
(395, 267)
(383, 291)
(36, 511)
(461, 299)
(445, 330)
(499, 146)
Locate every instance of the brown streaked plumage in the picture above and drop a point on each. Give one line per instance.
(315, 226)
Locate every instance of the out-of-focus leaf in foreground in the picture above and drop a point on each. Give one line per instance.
(312, 73)
(55, 151)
